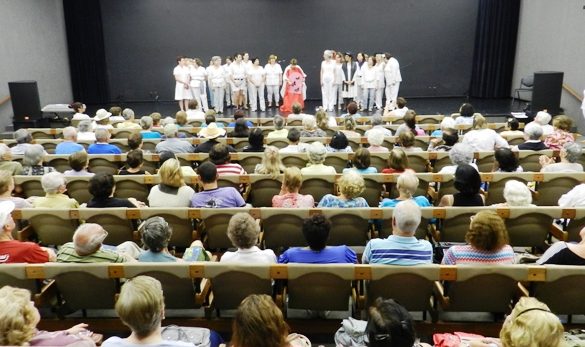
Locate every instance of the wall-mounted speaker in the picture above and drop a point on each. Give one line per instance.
(546, 91)
(24, 96)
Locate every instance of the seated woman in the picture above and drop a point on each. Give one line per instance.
(488, 243)
(516, 194)
(512, 126)
(79, 162)
(409, 125)
(406, 185)
(220, 156)
(289, 196)
(54, 186)
(338, 144)
(102, 187)
(324, 120)
(317, 154)
(84, 132)
(446, 123)
(172, 190)
(256, 141)
(459, 154)
(506, 161)
(449, 138)
(134, 163)
(271, 163)
(32, 162)
(351, 185)
(570, 154)
(241, 129)
(561, 134)
(468, 184)
(349, 125)
(19, 318)
(243, 232)
(375, 141)
(565, 253)
(310, 128)
(361, 162)
(147, 123)
(316, 232)
(397, 162)
(6, 188)
(481, 138)
(406, 141)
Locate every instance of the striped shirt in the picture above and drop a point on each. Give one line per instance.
(67, 254)
(398, 250)
(230, 169)
(467, 254)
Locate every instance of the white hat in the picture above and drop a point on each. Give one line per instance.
(211, 131)
(101, 114)
(6, 208)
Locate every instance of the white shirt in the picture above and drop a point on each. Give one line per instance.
(238, 71)
(379, 68)
(450, 170)
(256, 74)
(399, 112)
(181, 73)
(252, 255)
(156, 198)
(195, 115)
(318, 169)
(328, 71)
(216, 76)
(369, 76)
(301, 147)
(273, 74)
(575, 197)
(87, 136)
(198, 75)
(464, 120)
(392, 71)
(483, 140)
(339, 76)
(563, 167)
(80, 116)
(387, 132)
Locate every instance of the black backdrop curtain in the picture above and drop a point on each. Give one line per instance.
(87, 59)
(495, 48)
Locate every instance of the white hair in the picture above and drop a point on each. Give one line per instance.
(574, 151)
(376, 137)
(309, 122)
(376, 120)
(167, 120)
(128, 113)
(533, 131)
(460, 154)
(171, 130)
(52, 181)
(407, 215)
(278, 122)
(328, 53)
(146, 122)
(408, 182)
(102, 134)
(84, 126)
(88, 238)
(447, 122)
(517, 193)
(69, 133)
(317, 153)
(33, 155)
(543, 118)
(22, 136)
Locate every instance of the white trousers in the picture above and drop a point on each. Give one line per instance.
(338, 97)
(379, 95)
(392, 94)
(256, 93)
(201, 97)
(228, 94)
(328, 95)
(273, 91)
(359, 93)
(217, 95)
(368, 99)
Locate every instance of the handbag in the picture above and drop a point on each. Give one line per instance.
(352, 333)
(199, 337)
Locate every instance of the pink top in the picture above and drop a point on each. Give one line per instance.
(377, 149)
(558, 138)
(292, 200)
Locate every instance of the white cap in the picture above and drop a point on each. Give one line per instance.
(6, 208)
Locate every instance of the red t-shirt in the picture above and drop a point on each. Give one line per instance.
(22, 252)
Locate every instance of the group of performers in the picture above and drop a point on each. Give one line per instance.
(238, 78)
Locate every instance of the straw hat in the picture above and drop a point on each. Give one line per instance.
(101, 114)
(211, 131)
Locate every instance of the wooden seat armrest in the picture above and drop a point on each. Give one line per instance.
(46, 295)
(559, 233)
(440, 294)
(522, 291)
(25, 233)
(203, 296)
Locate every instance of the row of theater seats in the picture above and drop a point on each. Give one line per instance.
(222, 286)
(259, 189)
(282, 228)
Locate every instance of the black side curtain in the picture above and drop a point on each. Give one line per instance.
(87, 58)
(495, 48)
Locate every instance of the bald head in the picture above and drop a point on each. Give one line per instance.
(88, 238)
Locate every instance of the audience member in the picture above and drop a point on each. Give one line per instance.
(293, 137)
(446, 123)
(69, 144)
(397, 162)
(220, 156)
(256, 141)
(172, 142)
(543, 119)
(79, 162)
(296, 113)
(147, 123)
(402, 247)
(102, 146)
(324, 120)
(13, 251)
(400, 109)
(376, 140)
(181, 121)
(128, 122)
(289, 196)
(156, 118)
(409, 125)
(271, 163)
(378, 124)
(561, 134)
(310, 127)
(532, 138)
(339, 143)
(466, 115)
(352, 111)
(239, 114)
(481, 138)
(317, 154)
(186, 170)
(506, 161)
(351, 185)
(468, 184)
(241, 129)
(54, 185)
(172, 190)
(279, 130)
(134, 163)
(243, 232)
(102, 187)
(116, 114)
(570, 154)
(79, 109)
(449, 138)
(156, 233)
(6, 188)
(102, 119)
(23, 142)
(349, 125)
(84, 131)
(211, 133)
(516, 194)
(194, 112)
(565, 253)
(6, 163)
(488, 243)
(406, 185)
(573, 198)
(361, 162)
(512, 126)
(459, 154)
(316, 232)
(32, 162)
(406, 140)
(212, 195)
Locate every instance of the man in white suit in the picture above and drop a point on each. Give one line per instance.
(393, 79)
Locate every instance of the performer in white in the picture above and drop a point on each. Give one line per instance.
(228, 86)
(393, 79)
(181, 74)
(359, 93)
(198, 88)
(327, 78)
(248, 64)
(256, 81)
(380, 65)
(369, 83)
(338, 83)
(238, 82)
(273, 80)
(217, 80)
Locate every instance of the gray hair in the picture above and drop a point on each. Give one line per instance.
(88, 238)
(461, 154)
(156, 233)
(84, 126)
(167, 120)
(533, 131)
(52, 181)
(407, 182)
(309, 122)
(69, 133)
(128, 114)
(377, 120)
(171, 130)
(278, 122)
(215, 58)
(102, 135)
(22, 136)
(328, 53)
(574, 151)
(376, 137)
(317, 153)
(146, 122)
(243, 231)
(407, 216)
(542, 118)
(517, 193)
(447, 123)
(33, 155)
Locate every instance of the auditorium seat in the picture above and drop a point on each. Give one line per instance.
(213, 228)
(554, 185)
(530, 160)
(318, 186)
(283, 228)
(108, 164)
(562, 290)
(349, 226)
(249, 160)
(528, 226)
(120, 223)
(179, 219)
(262, 189)
(52, 226)
(497, 182)
(132, 186)
(31, 185)
(16, 275)
(78, 188)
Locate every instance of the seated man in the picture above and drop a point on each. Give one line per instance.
(402, 247)
(293, 137)
(173, 143)
(102, 136)
(69, 144)
(279, 129)
(87, 247)
(54, 186)
(533, 137)
(23, 142)
(128, 122)
(13, 251)
(212, 196)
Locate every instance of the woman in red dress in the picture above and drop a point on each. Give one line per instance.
(293, 88)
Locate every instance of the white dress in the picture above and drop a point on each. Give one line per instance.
(273, 78)
(328, 71)
(238, 74)
(182, 73)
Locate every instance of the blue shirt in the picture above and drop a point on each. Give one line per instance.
(328, 255)
(398, 250)
(369, 170)
(331, 200)
(103, 148)
(150, 134)
(419, 200)
(248, 123)
(158, 257)
(68, 147)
